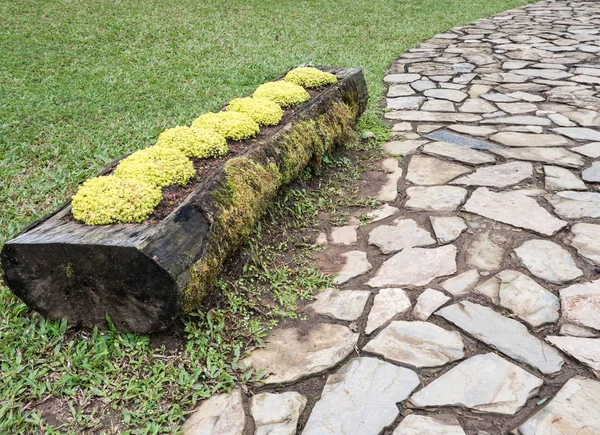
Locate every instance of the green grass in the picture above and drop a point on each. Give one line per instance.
(82, 83)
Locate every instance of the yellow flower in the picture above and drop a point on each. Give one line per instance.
(157, 165)
(113, 200)
(309, 77)
(261, 110)
(232, 125)
(284, 93)
(194, 142)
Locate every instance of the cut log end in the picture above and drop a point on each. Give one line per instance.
(138, 294)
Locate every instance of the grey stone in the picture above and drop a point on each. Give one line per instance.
(389, 190)
(345, 235)
(422, 116)
(461, 284)
(356, 264)
(499, 98)
(404, 233)
(581, 304)
(586, 350)
(360, 398)
(517, 108)
(400, 91)
(575, 205)
(405, 103)
(590, 80)
(515, 209)
(574, 410)
(401, 148)
(291, 354)
(485, 251)
(446, 136)
(277, 414)
(486, 383)
(526, 96)
(387, 303)
(416, 266)
(514, 139)
(458, 152)
(401, 78)
(553, 156)
(557, 178)
(446, 94)
(592, 174)
(503, 175)
(382, 212)
(589, 150)
(427, 302)
(434, 105)
(439, 424)
(548, 261)
(340, 304)
(586, 239)
(507, 335)
(473, 130)
(518, 120)
(549, 74)
(430, 171)
(417, 344)
(435, 198)
(576, 331)
(222, 414)
(476, 105)
(422, 85)
(579, 133)
(447, 228)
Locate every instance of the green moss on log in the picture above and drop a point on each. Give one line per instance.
(251, 183)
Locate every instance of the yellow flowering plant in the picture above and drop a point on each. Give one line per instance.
(194, 142)
(113, 200)
(309, 77)
(157, 165)
(261, 110)
(286, 94)
(232, 125)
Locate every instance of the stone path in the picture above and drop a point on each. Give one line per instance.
(470, 301)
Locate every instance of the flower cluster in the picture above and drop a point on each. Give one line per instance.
(135, 188)
(262, 110)
(309, 77)
(194, 142)
(157, 165)
(114, 200)
(284, 93)
(232, 125)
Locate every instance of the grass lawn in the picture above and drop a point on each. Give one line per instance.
(82, 83)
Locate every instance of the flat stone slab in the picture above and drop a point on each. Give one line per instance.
(446, 94)
(472, 130)
(292, 354)
(446, 136)
(440, 424)
(360, 398)
(589, 150)
(515, 209)
(486, 383)
(427, 302)
(220, 414)
(276, 414)
(581, 304)
(458, 153)
(403, 233)
(507, 335)
(531, 302)
(503, 175)
(430, 171)
(356, 264)
(416, 266)
(340, 304)
(552, 156)
(569, 204)
(461, 284)
(405, 103)
(447, 228)
(548, 261)
(401, 78)
(579, 133)
(435, 198)
(345, 235)
(557, 179)
(519, 120)
(485, 251)
(586, 239)
(574, 410)
(387, 303)
(586, 350)
(417, 344)
(592, 174)
(389, 190)
(382, 212)
(402, 148)
(516, 139)
(422, 116)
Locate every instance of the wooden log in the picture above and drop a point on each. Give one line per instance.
(145, 275)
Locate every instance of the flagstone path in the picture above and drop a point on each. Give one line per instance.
(470, 302)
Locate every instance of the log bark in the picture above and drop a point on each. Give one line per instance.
(145, 275)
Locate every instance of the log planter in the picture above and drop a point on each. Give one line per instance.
(145, 275)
